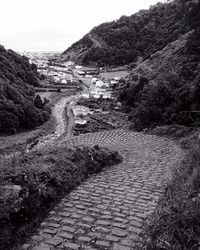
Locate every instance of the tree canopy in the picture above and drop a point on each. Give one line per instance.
(17, 106)
(131, 37)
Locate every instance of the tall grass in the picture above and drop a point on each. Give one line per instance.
(175, 224)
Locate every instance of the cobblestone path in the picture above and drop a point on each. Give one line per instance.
(109, 210)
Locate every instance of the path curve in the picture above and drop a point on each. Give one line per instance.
(62, 125)
(108, 211)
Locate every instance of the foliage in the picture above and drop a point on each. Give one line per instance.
(17, 108)
(129, 38)
(158, 105)
(170, 94)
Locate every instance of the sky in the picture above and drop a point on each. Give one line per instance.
(53, 25)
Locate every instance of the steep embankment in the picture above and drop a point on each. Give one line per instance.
(164, 89)
(167, 89)
(123, 41)
(163, 63)
(17, 107)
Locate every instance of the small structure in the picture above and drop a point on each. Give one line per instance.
(113, 82)
(102, 84)
(81, 73)
(78, 67)
(94, 80)
(63, 81)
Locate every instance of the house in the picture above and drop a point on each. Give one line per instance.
(94, 80)
(63, 81)
(102, 84)
(78, 67)
(56, 79)
(113, 82)
(81, 73)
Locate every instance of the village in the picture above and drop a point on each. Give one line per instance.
(92, 83)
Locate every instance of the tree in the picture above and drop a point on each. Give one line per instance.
(38, 102)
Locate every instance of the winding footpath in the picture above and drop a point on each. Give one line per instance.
(109, 210)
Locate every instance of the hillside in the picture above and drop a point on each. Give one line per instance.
(164, 89)
(17, 108)
(129, 38)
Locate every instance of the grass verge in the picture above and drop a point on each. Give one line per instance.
(31, 183)
(175, 224)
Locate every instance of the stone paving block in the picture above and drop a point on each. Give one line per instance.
(54, 225)
(118, 232)
(88, 219)
(119, 225)
(136, 223)
(41, 248)
(68, 222)
(37, 238)
(71, 246)
(120, 247)
(50, 231)
(101, 243)
(64, 214)
(84, 225)
(103, 222)
(112, 238)
(55, 241)
(54, 219)
(65, 235)
(127, 242)
(84, 239)
(25, 246)
(68, 229)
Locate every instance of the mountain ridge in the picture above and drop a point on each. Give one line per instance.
(128, 38)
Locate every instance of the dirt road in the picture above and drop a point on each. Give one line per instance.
(63, 125)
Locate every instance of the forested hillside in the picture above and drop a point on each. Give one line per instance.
(17, 107)
(129, 38)
(165, 89)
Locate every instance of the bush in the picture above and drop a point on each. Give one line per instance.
(163, 104)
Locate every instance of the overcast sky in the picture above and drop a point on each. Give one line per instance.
(53, 25)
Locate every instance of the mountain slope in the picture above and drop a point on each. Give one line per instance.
(123, 41)
(17, 108)
(165, 88)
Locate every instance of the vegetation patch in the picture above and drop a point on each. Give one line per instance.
(175, 224)
(175, 132)
(31, 183)
(18, 107)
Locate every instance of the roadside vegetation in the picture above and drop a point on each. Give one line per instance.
(175, 224)
(31, 183)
